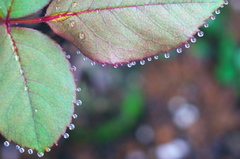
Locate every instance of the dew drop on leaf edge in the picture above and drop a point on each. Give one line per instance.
(74, 116)
(167, 55)
(30, 151)
(21, 150)
(66, 135)
(40, 154)
(6, 143)
(71, 127)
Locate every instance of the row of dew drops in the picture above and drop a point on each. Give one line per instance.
(142, 62)
(156, 57)
(65, 136)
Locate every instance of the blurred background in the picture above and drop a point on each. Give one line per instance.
(184, 107)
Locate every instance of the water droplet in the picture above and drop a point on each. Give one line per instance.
(78, 52)
(66, 135)
(74, 4)
(21, 150)
(200, 34)
(71, 127)
(17, 58)
(78, 102)
(26, 88)
(36, 110)
(57, 8)
(6, 143)
(21, 71)
(115, 66)
(82, 35)
(142, 62)
(187, 45)
(30, 151)
(73, 68)
(85, 58)
(179, 50)
(78, 89)
(48, 149)
(193, 40)
(213, 17)
(93, 63)
(206, 25)
(129, 65)
(134, 63)
(226, 2)
(167, 55)
(218, 11)
(18, 147)
(156, 57)
(149, 59)
(40, 154)
(74, 116)
(72, 24)
(68, 57)
(103, 65)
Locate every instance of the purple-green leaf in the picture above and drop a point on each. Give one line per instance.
(120, 31)
(20, 8)
(37, 88)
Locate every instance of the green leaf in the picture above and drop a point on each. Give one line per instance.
(37, 89)
(121, 31)
(20, 8)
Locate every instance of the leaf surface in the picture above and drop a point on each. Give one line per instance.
(20, 8)
(120, 31)
(37, 89)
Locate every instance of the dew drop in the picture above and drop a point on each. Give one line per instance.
(30, 151)
(85, 58)
(71, 127)
(226, 2)
(134, 63)
(213, 17)
(26, 88)
(36, 110)
(68, 57)
(193, 40)
(6, 143)
(17, 58)
(149, 59)
(74, 116)
(57, 8)
(179, 50)
(21, 150)
(82, 35)
(187, 45)
(129, 65)
(115, 66)
(66, 135)
(93, 63)
(200, 34)
(103, 65)
(18, 147)
(78, 89)
(218, 11)
(206, 25)
(73, 68)
(21, 71)
(40, 154)
(167, 55)
(78, 102)
(142, 62)
(156, 57)
(72, 24)
(78, 52)
(48, 149)
(74, 4)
